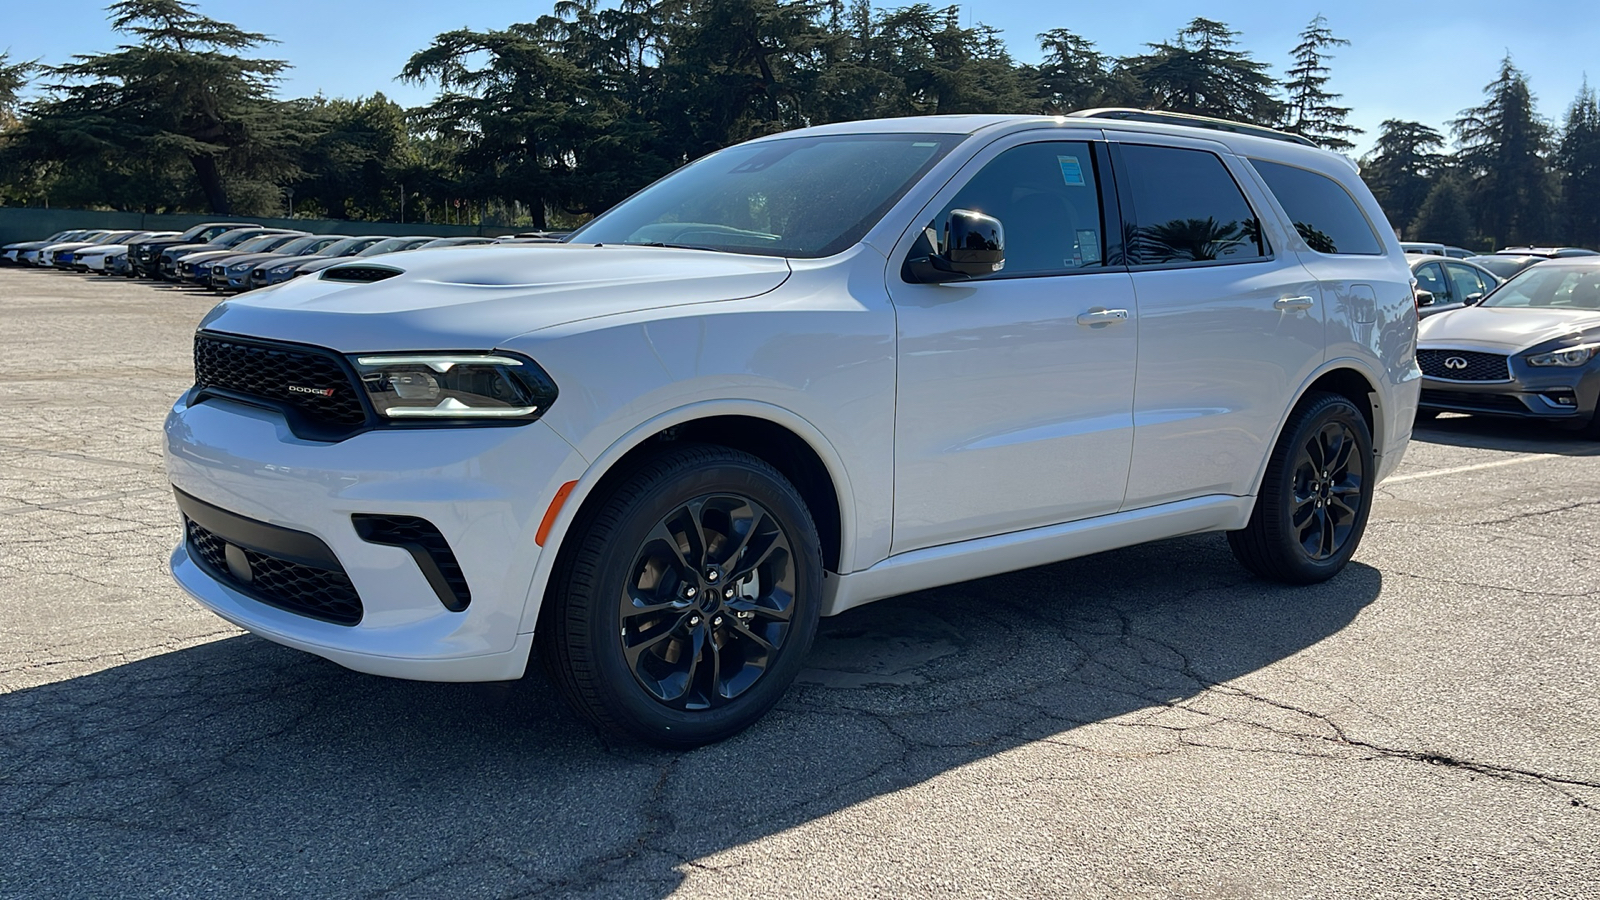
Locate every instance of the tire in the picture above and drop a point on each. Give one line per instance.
(1592, 429)
(1305, 527)
(640, 605)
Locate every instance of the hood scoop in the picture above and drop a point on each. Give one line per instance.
(359, 274)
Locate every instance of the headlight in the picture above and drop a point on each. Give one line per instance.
(240, 267)
(460, 387)
(1573, 356)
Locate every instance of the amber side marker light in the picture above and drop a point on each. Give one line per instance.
(550, 514)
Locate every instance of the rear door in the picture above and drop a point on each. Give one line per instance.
(1229, 325)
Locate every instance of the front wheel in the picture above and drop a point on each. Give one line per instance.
(688, 602)
(1314, 500)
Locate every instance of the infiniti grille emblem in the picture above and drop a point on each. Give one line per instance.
(1453, 362)
(320, 392)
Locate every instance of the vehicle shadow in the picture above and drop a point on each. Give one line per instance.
(241, 768)
(1512, 435)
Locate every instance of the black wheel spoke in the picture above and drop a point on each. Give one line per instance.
(708, 603)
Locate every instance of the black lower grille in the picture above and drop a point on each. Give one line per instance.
(318, 593)
(1487, 402)
(427, 546)
(1464, 365)
(312, 382)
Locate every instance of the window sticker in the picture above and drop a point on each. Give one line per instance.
(1071, 170)
(1089, 245)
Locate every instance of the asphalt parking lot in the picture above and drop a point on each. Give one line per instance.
(1152, 722)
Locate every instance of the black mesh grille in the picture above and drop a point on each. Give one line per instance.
(413, 532)
(310, 382)
(325, 594)
(1459, 399)
(1464, 365)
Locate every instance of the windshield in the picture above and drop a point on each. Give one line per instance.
(260, 242)
(345, 247)
(803, 197)
(306, 244)
(1549, 286)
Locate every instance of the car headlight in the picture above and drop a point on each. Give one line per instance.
(240, 267)
(1570, 357)
(465, 388)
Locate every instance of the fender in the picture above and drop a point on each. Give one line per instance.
(600, 465)
(1362, 367)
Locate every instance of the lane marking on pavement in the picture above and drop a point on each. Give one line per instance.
(1513, 461)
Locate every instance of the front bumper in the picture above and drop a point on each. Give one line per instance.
(1550, 393)
(485, 489)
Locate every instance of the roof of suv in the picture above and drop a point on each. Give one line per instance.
(1147, 121)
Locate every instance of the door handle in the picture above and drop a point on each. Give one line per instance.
(1099, 315)
(1293, 303)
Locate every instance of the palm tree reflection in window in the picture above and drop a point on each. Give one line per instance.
(1196, 240)
(1316, 240)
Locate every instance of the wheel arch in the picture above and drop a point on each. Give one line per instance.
(776, 435)
(1349, 378)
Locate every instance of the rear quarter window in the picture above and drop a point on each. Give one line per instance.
(1324, 213)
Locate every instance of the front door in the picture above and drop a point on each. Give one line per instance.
(1015, 391)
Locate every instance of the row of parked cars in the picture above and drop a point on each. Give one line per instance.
(1513, 334)
(222, 256)
(1452, 277)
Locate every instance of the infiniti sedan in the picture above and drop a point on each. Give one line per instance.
(1527, 350)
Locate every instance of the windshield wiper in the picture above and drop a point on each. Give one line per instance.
(674, 246)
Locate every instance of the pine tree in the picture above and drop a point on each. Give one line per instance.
(182, 92)
(1503, 145)
(1399, 170)
(1074, 75)
(1199, 72)
(1444, 218)
(1579, 161)
(13, 78)
(1311, 110)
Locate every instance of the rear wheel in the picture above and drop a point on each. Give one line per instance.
(1314, 500)
(689, 601)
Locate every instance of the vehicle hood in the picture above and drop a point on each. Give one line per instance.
(192, 248)
(204, 256)
(297, 260)
(1506, 329)
(70, 245)
(232, 259)
(104, 248)
(322, 262)
(461, 298)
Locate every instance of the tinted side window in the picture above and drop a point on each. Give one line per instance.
(1465, 281)
(1047, 198)
(1324, 213)
(1430, 278)
(1187, 208)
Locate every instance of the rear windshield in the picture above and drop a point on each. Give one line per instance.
(803, 197)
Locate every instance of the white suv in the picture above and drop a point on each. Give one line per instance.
(801, 374)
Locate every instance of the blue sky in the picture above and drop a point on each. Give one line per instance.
(1417, 61)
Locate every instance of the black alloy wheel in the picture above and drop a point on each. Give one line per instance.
(685, 598)
(1314, 501)
(707, 607)
(1329, 474)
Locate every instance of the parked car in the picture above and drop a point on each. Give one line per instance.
(64, 257)
(1503, 266)
(1527, 351)
(145, 256)
(232, 273)
(10, 253)
(170, 257)
(196, 267)
(44, 257)
(902, 353)
(455, 242)
(377, 248)
(1436, 249)
(1547, 252)
(93, 258)
(278, 271)
(1444, 284)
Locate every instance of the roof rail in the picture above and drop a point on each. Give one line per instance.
(1173, 118)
